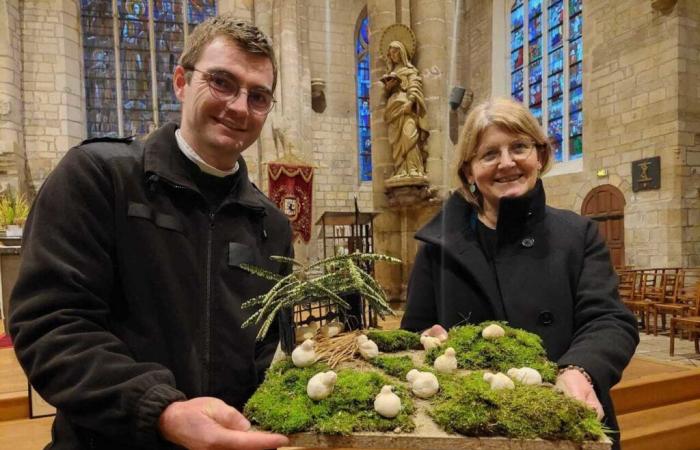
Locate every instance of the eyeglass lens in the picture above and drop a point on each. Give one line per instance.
(225, 87)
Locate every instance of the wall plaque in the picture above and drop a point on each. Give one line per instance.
(646, 174)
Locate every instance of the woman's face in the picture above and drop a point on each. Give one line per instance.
(394, 55)
(505, 165)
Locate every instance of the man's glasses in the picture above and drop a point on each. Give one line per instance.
(518, 151)
(225, 87)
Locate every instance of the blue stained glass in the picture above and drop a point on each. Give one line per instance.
(516, 81)
(576, 147)
(100, 8)
(556, 60)
(516, 3)
(167, 10)
(575, 6)
(575, 75)
(518, 96)
(535, 49)
(535, 27)
(537, 112)
(556, 108)
(555, 37)
(535, 94)
(516, 59)
(133, 9)
(555, 127)
(557, 150)
(170, 37)
(516, 18)
(575, 26)
(576, 99)
(364, 137)
(556, 14)
(516, 39)
(556, 85)
(535, 72)
(576, 123)
(534, 7)
(576, 51)
(200, 10)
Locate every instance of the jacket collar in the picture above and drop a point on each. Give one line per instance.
(457, 217)
(163, 158)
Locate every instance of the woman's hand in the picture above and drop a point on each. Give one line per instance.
(208, 423)
(574, 384)
(436, 331)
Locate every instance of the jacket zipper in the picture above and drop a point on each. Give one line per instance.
(207, 306)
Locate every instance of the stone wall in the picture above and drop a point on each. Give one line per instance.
(631, 67)
(54, 117)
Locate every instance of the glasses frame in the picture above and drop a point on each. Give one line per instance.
(208, 76)
(530, 147)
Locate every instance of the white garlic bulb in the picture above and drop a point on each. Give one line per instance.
(498, 381)
(423, 384)
(447, 362)
(368, 348)
(321, 385)
(525, 375)
(304, 355)
(493, 331)
(429, 342)
(386, 403)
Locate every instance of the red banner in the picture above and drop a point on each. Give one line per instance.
(291, 189)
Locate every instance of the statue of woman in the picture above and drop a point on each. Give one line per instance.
(405, 113)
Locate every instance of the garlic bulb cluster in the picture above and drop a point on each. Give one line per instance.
(447, 362)
(368, 349)
(304, 355)
(386, 403)
(525, 375)
(321, 385)
(423, 384)
(499, 381)
(493, 331)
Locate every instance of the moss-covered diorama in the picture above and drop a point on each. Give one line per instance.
(392, 341)
(396, 366)
(465, 404)
(281, 403)
(517, 348)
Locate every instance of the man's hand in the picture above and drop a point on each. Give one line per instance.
(206, 423)
(436, 331)
(574, 384)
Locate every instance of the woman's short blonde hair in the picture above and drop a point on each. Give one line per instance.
(508, 114)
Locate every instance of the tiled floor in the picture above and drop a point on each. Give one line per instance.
(656, 347)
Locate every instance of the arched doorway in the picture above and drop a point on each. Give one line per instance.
(606, 205)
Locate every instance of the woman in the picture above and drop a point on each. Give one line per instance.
(405, 113)
(497, 252)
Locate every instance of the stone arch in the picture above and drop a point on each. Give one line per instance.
(605, 204)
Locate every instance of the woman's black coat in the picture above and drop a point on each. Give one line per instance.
(552, 271)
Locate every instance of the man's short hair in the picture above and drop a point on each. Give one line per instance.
(247, 36)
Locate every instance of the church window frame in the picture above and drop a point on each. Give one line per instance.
(362, 91)
(130, 50)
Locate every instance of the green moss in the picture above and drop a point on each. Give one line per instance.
(467, 406)
(395, 340)
(396, 366)
(518, 348)
(281, 403)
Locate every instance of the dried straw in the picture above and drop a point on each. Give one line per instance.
(337, 349)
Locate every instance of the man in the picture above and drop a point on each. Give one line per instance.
(126, 314)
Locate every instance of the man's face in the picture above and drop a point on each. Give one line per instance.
(216, 129)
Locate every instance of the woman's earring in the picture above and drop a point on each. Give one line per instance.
(472, 188)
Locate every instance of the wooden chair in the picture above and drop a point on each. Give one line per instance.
(643, 289)
(677, 301)
(627, 283)
(689, 323)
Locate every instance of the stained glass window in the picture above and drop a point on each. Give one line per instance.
(120, 97)
(546, 69)
(364, 134)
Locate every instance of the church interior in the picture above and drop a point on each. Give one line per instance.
(615, 84)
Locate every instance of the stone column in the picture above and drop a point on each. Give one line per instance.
(52, 57)
(12, 157)
(388, 224)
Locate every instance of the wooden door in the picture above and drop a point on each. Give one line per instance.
(606, 205)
